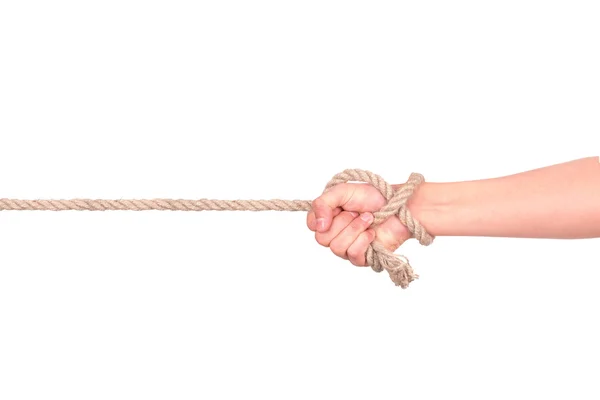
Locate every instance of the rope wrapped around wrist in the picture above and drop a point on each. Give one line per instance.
(378, 257)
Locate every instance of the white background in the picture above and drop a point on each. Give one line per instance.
(125, 99)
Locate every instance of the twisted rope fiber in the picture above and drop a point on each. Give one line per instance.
(378, 257)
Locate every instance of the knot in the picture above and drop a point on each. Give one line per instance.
(377, 256)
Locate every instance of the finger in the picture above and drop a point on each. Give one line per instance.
(340, 244)
(324, 205)
(338, 224)
(358, 250)
(311, 220)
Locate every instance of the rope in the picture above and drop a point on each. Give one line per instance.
(378, 257)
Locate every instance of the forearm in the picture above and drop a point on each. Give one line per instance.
(559, 201)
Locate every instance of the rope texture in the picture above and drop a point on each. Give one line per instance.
(378, 257)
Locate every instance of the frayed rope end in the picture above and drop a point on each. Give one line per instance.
(398, 267)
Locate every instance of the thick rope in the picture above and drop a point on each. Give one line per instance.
(378, 257)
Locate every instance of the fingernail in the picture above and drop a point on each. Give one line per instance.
(354, 214)
(367, 217)
(321, 224)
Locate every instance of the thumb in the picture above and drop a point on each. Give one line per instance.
(324, 206)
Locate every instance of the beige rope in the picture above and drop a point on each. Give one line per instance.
(378, 257)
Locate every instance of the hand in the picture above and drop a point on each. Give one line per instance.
(341, 219)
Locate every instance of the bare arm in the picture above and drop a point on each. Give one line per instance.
(558, 201)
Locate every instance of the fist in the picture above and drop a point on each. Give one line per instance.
(341, 219)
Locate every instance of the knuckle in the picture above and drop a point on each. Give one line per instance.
(354, 253)
(357, 260)
(322, 240)
(359, 224)
(346, 214)
(317, 201)
(370, 236)
(338, 249)
(357, 251)
(347, 217)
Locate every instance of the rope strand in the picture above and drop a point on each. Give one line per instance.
(154, 204)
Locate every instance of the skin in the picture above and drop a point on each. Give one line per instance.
(560, 201)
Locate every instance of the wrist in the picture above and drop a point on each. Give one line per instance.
(435, 205)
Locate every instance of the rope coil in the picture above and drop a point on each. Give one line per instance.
(378, 257)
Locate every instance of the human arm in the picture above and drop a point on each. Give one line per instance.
(560, 201)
